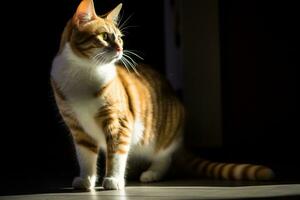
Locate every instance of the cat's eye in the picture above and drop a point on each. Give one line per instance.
(103, 36)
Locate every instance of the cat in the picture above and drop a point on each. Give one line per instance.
(125, 113)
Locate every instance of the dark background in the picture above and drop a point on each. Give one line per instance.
(261, 98)
(259, 54)
(259, 57)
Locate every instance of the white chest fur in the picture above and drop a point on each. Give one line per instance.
(79, 80)
(79, 77)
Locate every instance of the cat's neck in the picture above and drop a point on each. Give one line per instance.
(79, 76)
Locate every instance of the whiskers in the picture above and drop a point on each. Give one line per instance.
(128, 55)
(99, 58)
(123, 26)
(129, 62)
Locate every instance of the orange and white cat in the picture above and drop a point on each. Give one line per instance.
(126, 114)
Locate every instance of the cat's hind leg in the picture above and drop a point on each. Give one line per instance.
(157, 169)
(160, 163)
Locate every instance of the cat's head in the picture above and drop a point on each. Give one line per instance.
(94, 37)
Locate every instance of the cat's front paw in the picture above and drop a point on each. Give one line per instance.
(112, 183)
(150, 176)
(87, 183)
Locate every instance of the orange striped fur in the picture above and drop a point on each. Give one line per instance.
(194, 165)
(122, 112)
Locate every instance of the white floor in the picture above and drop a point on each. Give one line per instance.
(164, 191)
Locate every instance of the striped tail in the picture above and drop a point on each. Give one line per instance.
(228, 171)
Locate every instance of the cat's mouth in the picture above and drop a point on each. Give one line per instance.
(118, 55)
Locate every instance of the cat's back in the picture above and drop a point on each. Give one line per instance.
(148, 78)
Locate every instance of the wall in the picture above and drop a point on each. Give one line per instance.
(202, 72)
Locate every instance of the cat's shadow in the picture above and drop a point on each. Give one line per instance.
(71, 190)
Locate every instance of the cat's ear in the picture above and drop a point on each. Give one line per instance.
(84, 13)
(114, 14)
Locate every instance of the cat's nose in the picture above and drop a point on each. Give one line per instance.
(119, 49)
